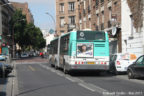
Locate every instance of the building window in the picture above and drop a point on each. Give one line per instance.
(102, 16)
(110, 16)
(80, 16)
(98, 19)
(110, 13)
(89, 9)
(102, 2)
(102, 26)
(72, 20)
(62, 21)
(97, 3)
(71, 6)
(62, 8)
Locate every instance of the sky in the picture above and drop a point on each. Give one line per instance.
(38, 9)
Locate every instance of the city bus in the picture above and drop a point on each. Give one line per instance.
(80, 50)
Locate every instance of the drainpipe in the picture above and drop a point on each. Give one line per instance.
(131, 37)
(143, 28)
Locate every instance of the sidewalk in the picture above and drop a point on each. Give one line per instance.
(7, 84)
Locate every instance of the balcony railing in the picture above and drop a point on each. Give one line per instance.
(61, 12)
(71, 11)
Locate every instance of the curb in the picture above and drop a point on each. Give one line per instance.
(12, 86)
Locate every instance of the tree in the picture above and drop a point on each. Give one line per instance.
(26, 35)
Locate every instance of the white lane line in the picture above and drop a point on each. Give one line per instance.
(98, 89)
(82, 85)
(80, 82)
(60, 74)
(70, 79)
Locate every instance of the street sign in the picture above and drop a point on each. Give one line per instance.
(51, 31)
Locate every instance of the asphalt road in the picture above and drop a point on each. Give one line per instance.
(39, 79)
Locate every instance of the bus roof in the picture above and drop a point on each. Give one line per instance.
(54, 39)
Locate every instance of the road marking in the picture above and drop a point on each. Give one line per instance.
(85, 86)
(70, 79)
(80, 82)
(30, 67)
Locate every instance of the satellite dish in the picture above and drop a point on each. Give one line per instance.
(114, 31)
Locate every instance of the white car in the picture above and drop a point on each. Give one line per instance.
(120, 62)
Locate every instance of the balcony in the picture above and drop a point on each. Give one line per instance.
(61, 12)
(71, 11)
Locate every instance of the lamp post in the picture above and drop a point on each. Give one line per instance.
(13, 37)
(52, 19)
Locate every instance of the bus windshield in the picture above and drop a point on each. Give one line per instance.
(90, 35)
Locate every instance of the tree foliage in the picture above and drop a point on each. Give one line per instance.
(26, 35)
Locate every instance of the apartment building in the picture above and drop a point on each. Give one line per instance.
(66, 16)
(102, 15)
(25, 10)
(6, 12)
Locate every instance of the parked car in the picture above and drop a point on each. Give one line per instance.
(136, 69)
(119, 62)
(2, 57)
(7, 69)
(24, 55)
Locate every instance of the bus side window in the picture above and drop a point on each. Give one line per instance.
(64, 45)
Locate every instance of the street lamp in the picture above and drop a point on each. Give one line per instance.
(13, 36)
(52, 18)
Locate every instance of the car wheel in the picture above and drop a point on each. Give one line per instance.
(130, 75)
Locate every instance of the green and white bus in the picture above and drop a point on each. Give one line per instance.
(80, 50)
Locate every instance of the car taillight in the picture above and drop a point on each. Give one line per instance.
(76, 62)
(118, 62)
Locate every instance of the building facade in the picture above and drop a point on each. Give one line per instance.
(6, 12)
(133, 26)
(66, 16)
(25, 10)
(102, 15)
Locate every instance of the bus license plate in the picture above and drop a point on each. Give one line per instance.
(90, 62)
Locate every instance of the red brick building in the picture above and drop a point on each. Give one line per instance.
(25, 10)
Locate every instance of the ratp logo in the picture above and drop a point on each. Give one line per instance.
(81, 34)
